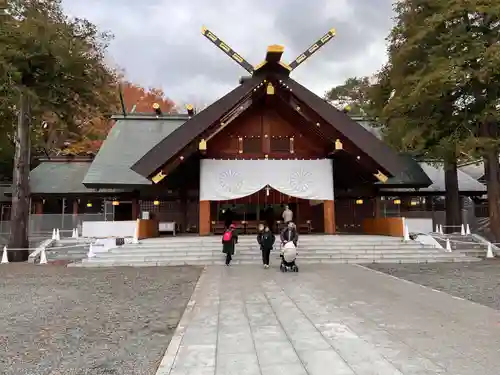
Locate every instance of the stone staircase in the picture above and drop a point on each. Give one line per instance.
(312, 249)
(67, 250)
(467, 245)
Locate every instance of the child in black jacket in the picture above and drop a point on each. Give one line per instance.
(266, 241)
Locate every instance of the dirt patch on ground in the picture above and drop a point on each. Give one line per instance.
(76, 321)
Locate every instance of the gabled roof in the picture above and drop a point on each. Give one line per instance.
(128, 141)
(403, 171)
(170, 145)
(59, 177)
(364, 139)
(476, 170)
(466, 184)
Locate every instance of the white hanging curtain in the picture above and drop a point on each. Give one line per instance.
(232, 179)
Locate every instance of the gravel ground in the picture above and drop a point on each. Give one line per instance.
(478, 281)
(73, 321)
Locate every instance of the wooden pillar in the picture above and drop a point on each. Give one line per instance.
(329, 216)
(75, 213)
(39, 207)
(38, 211)
(184, 209)
(265, 135)
(204, 218)
(135, 209)
(377, 212)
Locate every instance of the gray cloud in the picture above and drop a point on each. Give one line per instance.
(158, 42)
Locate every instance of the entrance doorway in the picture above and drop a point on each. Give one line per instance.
(266, 207)
(123, 211)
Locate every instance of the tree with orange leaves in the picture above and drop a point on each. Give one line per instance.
(94, 131)
(139, 100)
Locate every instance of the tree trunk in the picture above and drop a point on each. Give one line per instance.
(452, 197)
(492, 176)
(20, 189)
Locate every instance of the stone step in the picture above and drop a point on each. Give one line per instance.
(70, 258)
(252, 243)
(300, 245)
(150, 257)
(251, 237)
(257, 262)
(179, 253)
(81, 251)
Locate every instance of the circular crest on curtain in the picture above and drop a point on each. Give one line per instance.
(231, 181)
(300, 180)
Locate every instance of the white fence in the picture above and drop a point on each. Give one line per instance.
(43, 224)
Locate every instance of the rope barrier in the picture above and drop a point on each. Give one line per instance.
(48, 248)
(455, 241)
(13, 249)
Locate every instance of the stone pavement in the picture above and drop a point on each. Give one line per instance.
(335, 320)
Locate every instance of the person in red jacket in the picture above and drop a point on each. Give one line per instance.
(229, 240)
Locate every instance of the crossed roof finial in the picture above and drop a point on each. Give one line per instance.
(274, 52)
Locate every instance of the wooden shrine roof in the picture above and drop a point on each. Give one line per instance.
(192, 129)
(402, 171)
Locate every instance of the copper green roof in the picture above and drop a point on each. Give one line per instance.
(128, 141)
(58, 177)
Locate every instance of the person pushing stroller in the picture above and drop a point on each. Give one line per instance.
(289, 238)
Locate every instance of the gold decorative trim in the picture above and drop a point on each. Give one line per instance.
(338, 145)
(202, 146)
(285, 65)
(270, 89)
(275, 48)
(381, 177)
(260, 65)
(158, 177)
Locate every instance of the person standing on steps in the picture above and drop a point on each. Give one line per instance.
(229, 240)
(266, 241)
(287, 215)
(290, 234)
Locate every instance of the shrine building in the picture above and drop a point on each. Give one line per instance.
(268, 143)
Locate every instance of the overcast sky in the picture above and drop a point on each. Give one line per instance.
(158, 43)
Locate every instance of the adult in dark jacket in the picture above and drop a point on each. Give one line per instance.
(266, 241)
(228, 245)
(290, 234)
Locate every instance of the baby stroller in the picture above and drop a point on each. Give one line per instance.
(288, 256)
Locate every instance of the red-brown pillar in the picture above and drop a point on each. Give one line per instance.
(75, 213)
(135, 209)
(38, 211)
(329, 216)
(377, 212)
(204, 218)
(39, 207)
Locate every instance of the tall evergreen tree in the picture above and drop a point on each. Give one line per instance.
(52, 68)
(353, 93)
(427, 94)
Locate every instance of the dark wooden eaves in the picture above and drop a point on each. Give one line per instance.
(377, 150)
(191, 129)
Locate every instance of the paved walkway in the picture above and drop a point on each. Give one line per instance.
(335, 320)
